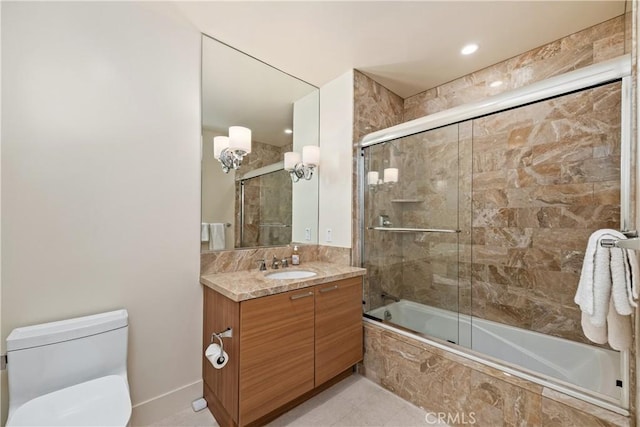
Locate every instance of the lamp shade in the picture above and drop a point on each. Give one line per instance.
(372, 178)
(219, 144)
(291, 159)
(311, 155)
(240, 139)
(391, 175)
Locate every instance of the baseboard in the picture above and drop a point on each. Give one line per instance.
(145, 413)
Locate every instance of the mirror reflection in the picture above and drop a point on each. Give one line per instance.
(249, 196)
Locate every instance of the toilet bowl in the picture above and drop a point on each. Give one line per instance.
(70, 373)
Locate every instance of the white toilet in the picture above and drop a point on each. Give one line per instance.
(70, 373)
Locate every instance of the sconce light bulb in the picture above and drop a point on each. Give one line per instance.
(390, 175)
(291, 159)
(240, 139)
(311, 155)
(219, 144)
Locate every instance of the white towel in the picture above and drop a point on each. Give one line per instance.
(617, 331)
(204, 232)
(632, 284)
(607, 291)
(217, 239)
(596, 334)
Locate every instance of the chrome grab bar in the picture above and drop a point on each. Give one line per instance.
(413, 230)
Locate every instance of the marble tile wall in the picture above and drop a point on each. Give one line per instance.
(441, 381)
(545, 176)
(375, 107)
(246, 259)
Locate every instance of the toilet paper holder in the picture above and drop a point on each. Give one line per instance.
(227, 333)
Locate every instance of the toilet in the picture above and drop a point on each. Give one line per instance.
(70, 373)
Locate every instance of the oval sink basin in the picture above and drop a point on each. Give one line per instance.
(292, 274)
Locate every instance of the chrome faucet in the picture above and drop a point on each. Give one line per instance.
(262, 264)
(275, 263)
(285, 262)
(385, 296)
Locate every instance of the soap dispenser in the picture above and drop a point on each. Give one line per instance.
(295, 257)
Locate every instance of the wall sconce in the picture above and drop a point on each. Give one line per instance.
(389, 177)
(230, 150)
(302, 169)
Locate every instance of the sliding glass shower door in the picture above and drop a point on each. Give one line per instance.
(417, 231)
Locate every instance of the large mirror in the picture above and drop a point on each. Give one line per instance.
(257, 204)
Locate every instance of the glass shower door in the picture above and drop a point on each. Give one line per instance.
(265, 210)
(412, 232)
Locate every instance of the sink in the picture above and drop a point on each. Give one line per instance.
(292, 274)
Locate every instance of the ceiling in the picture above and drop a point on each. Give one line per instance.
(406, 46)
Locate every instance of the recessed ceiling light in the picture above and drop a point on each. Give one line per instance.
(469, 49)
(496, 83)
(288, 131)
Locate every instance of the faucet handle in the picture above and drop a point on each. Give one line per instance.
(285, 262)
(262, 264)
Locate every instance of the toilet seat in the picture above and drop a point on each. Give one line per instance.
(104, 401)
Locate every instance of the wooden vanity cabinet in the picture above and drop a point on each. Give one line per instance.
(338, 327)
(284, 347)
(276, 352)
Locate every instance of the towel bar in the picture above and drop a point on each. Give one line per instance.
(632, 242)
(413, 230)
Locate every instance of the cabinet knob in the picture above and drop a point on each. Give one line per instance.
(308, 294)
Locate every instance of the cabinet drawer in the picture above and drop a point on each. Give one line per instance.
(338, 340)
(276, 352)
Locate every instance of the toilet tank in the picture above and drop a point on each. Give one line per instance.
(51, 356)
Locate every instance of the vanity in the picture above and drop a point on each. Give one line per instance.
(291, 338)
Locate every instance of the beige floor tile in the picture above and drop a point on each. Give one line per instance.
(353, 402)
(188, 418)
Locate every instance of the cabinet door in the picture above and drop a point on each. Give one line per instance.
(338, 327)
(276, 351)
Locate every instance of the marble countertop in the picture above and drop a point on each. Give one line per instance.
(244, 285)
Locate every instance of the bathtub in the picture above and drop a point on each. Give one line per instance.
(590, 373)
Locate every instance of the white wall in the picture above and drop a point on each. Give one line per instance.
(336, 140)
(100, 181)
(305, 193)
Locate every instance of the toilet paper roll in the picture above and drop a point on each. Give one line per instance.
(215, 358)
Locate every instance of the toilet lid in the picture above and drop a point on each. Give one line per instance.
(101, 402)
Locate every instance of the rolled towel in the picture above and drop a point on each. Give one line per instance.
(204, 232)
